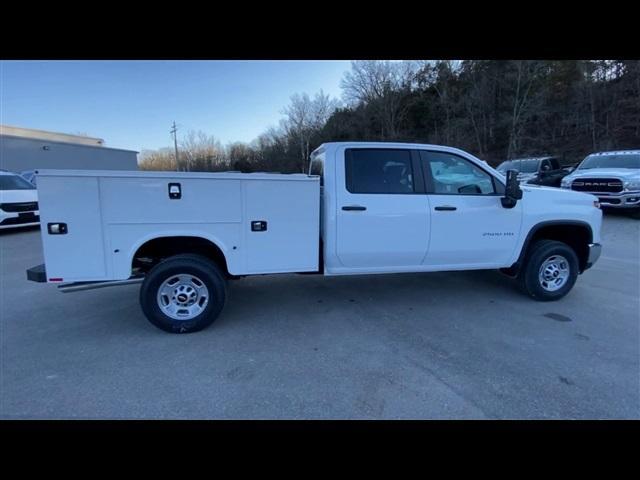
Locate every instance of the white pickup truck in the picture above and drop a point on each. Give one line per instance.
(614, 177)
(364, 208)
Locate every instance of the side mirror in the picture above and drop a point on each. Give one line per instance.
(512, 191)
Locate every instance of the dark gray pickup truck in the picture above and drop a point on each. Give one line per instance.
(545, 171)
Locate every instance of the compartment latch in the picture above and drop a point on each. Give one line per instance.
(175, 191)
(258, 226)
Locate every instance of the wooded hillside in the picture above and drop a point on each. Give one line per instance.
(495, 109)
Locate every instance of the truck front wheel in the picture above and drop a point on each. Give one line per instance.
(550, 270)
(184, 293)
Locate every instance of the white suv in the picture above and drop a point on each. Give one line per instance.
(18, 202)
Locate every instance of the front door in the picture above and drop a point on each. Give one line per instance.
(469, 226)
(383, 212)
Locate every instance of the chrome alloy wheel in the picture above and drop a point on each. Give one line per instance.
(554, 273)
(183, 297)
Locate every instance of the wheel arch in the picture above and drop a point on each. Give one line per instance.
(575, 233)
(159, 246)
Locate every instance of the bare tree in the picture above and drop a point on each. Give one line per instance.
(296, 122)
(382, 85)
(476, 104)
(162, 159)
(367, 81)
(241, 156)
(304, 117)
(526, 75)
(441, 76)
(322, 107)
(200, 151)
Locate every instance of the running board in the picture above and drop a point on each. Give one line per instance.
(79, 286)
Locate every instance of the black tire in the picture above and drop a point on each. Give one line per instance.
(635, 213)
(204, 270)
(529, 275)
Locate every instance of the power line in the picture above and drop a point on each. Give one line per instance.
(174, 131)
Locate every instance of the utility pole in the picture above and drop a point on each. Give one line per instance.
(174, 130)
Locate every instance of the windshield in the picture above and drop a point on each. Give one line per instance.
(523, 166)
(14, 182)
(29, 177)
(610, 161)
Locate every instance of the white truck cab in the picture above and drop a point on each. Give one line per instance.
(364, 208)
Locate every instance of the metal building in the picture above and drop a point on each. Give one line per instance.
(27, 149)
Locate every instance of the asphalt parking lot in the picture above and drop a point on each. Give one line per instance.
(425, 346)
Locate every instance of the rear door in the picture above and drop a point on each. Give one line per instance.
(382, 210)
(469, 226)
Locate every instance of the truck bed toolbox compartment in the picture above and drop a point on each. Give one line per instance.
(263, 223)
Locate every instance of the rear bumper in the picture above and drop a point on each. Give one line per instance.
(37, 274)
(594, 254)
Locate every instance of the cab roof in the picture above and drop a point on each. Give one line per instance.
(619, 152)
(528, 159)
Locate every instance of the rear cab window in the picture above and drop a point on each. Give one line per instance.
(370, 170)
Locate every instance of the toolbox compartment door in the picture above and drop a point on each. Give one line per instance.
(77, 252)
(282, 225)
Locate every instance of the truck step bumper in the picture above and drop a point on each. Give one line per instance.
(80, 286)
(37, 274)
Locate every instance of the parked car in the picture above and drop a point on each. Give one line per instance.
(364, 208)
(29, 176)
(614, 177)
(545, 171)
(18, 201)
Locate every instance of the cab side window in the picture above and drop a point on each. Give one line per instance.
(451, 174)
(379, 171)
(546, 166)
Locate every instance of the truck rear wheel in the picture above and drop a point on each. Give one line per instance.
(550, 270)
(184, 293)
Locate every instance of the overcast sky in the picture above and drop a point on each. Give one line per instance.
(131, 104)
